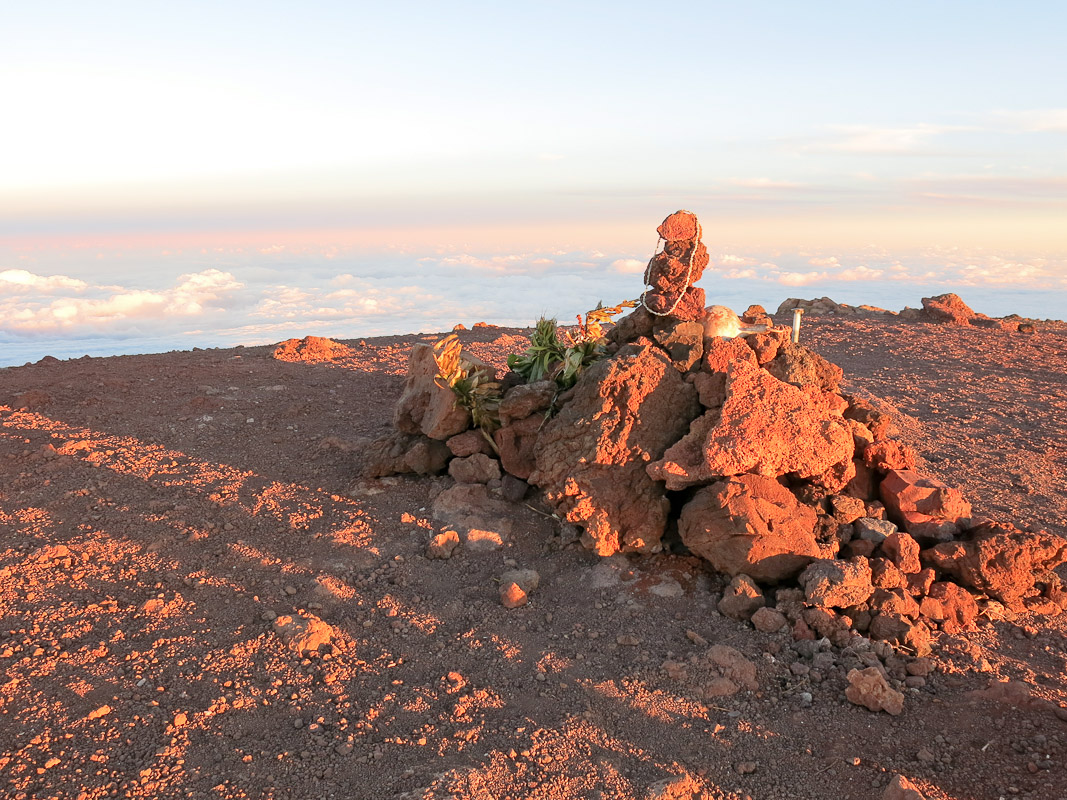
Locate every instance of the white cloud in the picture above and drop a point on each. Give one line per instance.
(22, 280)
(801, 278)
(629, 265)
(729, 259)
(860, 273)
(824, 262)
(871, 140)
(763, 183)
(193, 295)
(1038, 120)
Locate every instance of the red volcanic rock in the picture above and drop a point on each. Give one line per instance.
(887, 575)
(424, 407)
(591, 457)
(903, 551)
(634, 325)
(834, 583)
(516, 444)
(468, 443)
(478, 468)
(929, 530)
(741, 599)
(898, 629)
(800, 366)
(904, 490)
(955, 605)
(400, 453)
(877, 422)
(887, 454)
(756, 315)
(711, 388)
(751, 525)
(900, 788)
(683, 341)
(764, 345)
(521, 401)
(869, 689)
(681, 226)
(672, 273)
(893, 601)
(310, 348)
(1000, 560)
(919, 583)
(947, 309)
(765, 427)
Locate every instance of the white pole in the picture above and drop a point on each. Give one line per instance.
(797, 314)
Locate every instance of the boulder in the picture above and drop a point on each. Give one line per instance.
(887, 454)
(765, 427)
(442, 545)
(768, 620)
(846, 509)
(400, 453)
(424, 406)
(751, 525)
(683, 341)
(869, 689)
(947, 309)
(764, 345)
(879, 423)
(904, 490)
(1000, 560)
(516, 444)
(833, 583)
(873, 530)
(468, 443)
(478, 468)
(636, 324)
(799, 366)
(951, 606)
(720, 352)
(886, 575)
(741, 599)
(903, 551)
(526, 399)
(893, 601)
(900, 788)
(900, 630)
(591, 456)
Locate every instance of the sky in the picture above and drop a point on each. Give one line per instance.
(205, 174)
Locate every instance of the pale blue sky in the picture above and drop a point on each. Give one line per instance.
(799, 132)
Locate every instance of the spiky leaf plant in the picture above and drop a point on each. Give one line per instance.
(472, 386)
(544, 353)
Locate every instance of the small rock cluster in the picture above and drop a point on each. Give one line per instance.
(745, 452)
(942, 309)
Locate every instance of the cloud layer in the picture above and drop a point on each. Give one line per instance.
(272, 293)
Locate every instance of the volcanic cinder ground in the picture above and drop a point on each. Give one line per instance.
(161, 516)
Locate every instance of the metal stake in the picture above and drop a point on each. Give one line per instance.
(797, 314)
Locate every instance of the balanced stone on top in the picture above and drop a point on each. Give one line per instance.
(671, 274)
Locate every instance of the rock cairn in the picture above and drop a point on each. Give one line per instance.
(748, 450)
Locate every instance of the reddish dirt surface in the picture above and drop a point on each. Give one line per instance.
(157, 512)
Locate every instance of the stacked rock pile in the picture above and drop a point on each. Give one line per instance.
(746, 450)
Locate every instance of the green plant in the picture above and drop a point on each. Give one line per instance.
(471, 385)
(544, 353)
(564, 360)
